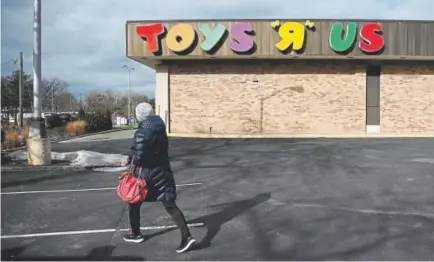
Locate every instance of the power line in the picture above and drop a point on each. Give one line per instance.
(13, 60)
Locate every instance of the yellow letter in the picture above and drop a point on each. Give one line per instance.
(292, 33)
(180, 37)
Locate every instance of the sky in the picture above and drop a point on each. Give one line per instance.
(83, 41)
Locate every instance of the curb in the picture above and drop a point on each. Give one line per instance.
(39, 168)
(50, 168)
(69, 138)
(353, 135)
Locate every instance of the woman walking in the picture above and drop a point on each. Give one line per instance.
(150, 160)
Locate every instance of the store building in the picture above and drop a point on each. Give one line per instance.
(284, 77)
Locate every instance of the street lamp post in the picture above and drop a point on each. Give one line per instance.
(37, 108)
(129, 91)
(38, 144)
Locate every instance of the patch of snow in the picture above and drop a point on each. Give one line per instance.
(423, 160)
(79, 158)
(18, 155)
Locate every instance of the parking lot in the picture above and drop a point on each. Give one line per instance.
(257, 199)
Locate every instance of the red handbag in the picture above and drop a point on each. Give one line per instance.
(131, 189)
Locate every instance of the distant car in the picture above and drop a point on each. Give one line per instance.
(64, 118)
(57, 120)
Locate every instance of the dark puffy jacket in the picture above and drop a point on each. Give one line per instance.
(150, 158)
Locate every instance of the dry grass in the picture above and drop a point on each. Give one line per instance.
(12, 137)
(16, 137)
(75, 128)
(25, 134)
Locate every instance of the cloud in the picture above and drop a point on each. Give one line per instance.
(83, 41)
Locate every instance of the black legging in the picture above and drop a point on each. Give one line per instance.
(170, 207)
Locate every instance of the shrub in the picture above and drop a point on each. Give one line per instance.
(76, 128)
(98, 121)
(109, 119)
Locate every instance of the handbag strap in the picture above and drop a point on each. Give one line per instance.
(132, 168)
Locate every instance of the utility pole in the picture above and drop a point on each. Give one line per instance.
(70, 103)
(52, 97)
(20, 90)
(129, 97)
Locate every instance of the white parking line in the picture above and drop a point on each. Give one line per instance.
(82, 232)
(365, 211)
(78, 190)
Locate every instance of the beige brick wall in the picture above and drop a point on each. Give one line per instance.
(407, 99)
(283, 98)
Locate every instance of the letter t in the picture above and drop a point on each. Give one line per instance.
(151, 33)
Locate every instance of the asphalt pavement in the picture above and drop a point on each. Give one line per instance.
(259, 199)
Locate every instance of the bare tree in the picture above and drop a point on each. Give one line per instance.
(115, 102)
(52, 89)
(100, 101)
(66, 102)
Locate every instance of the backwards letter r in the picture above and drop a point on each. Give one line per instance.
(151, 33)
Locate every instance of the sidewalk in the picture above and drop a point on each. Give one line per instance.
(342, 135)
(63, 139)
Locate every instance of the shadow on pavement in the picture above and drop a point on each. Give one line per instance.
(96, 254)
(341, 246)
(213, 222)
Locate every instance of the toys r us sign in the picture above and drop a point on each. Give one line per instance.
(182, 38)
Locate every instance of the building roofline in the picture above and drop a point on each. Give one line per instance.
(275, 18)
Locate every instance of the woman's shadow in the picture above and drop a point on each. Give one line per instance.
(213, 222)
